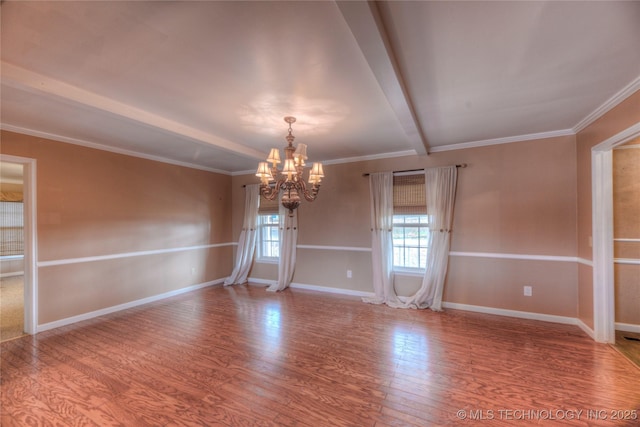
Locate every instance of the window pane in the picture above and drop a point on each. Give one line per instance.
(410, 239)
(269, 236)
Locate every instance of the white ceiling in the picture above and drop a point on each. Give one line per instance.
(208, 83)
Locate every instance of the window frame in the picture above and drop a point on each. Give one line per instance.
(260, 241)
(423, 223)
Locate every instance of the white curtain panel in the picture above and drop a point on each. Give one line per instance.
(381, 196)
(248, 236)
(288, 242)
(440, 186)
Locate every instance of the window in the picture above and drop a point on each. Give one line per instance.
(11, 229)
(410, 236)
(268, 230)
(268, 236)
(410, 222)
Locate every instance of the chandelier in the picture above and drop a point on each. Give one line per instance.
(290, 180)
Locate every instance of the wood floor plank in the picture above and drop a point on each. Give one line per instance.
(240, 356)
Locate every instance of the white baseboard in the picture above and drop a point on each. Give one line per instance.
(316, 288)
(455, 306)
(627, 327)
(587, 330)
(512, 313)
(466, 307)
(261, 281)
(120, 307)
(332, 290)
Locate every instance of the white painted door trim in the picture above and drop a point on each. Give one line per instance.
(602, 229)
(30, 241)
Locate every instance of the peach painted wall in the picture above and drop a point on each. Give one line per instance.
(626, 225)
(513, 199)
(92, 203)
(623, 116)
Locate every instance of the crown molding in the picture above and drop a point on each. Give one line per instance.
(608, 105)
(505, 140)
(102, 147)
(348, 160)
(371, 157)
(24, 79)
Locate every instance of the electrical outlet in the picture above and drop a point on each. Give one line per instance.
(527, 291)
(349, 274)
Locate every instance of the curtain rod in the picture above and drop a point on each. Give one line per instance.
(462, 165)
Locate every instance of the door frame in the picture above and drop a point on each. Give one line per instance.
(30, 241)
(604, 323)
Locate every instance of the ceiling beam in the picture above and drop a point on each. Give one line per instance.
(365, 23)
(24, 79)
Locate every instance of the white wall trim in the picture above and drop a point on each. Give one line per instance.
(371, 157)
(627, 240)
(120, 307)
(618, 139)
(584, 261)
(102, 147)
(348, 160)
(515, 256)
(455, 306)
(259, 281)
(512, 313)
(327, 289)
(51, 263)
(628, 327)
(608, 105)
(602, 232)
(316, 288)
(506, 140)
(629, 261)
(586, 329)
(529, 257)
(29, 80)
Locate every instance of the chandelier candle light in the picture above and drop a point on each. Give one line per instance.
(290, 180)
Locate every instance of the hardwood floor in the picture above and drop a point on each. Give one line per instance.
(11, 307)
(628, 343)
(241, 356)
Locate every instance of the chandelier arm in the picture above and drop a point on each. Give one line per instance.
(269, 192)
(309, 196)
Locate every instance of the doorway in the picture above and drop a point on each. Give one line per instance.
(603, 237)
(18, 273)
(626, 230)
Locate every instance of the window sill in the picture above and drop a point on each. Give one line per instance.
(267, 260)
(416, 272)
